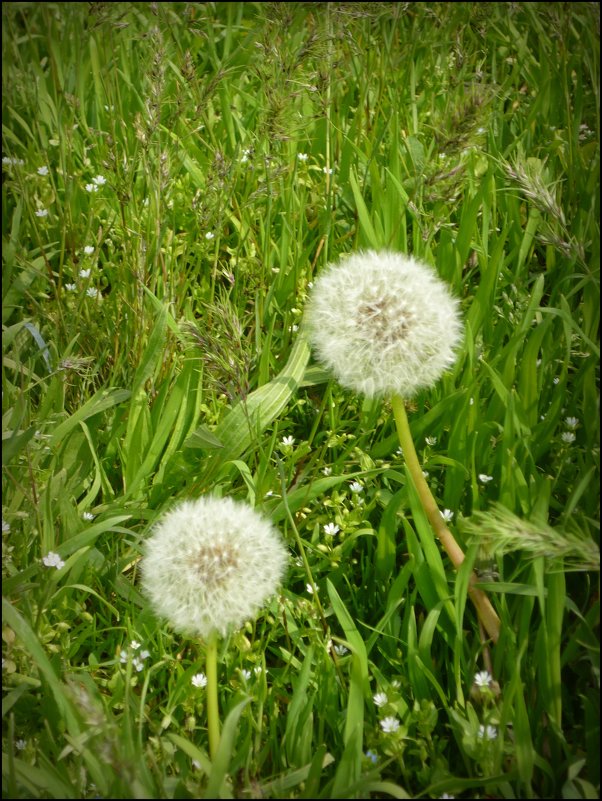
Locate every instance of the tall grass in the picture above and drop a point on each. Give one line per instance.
(174, 176)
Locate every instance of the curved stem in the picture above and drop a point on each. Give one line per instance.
(485, 610)
(212, 702)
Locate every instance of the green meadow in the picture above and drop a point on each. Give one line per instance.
(174, 178)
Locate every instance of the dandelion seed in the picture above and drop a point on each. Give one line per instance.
(210, 564)
(483, 679)
(340, 650)
(484, 478)
(389, 725)
(487, 732)
(92, 292)
(89, 250)
(355, 486)
(431, 440)
(568, 437)
(199, 680)
(87, 516)
(447, 515)
(41, 213)
(70, 287)
(330, 529)
(53, 560)
(380, 699)
(384, 323)
(42, 170)
(287, 441)
(571, 422)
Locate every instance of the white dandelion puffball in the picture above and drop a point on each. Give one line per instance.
(384, 323)
(210, 564)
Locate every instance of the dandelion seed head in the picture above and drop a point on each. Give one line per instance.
(210, 564)
(384, 323)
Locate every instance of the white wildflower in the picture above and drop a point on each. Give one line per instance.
(199, 680)
(85, 273)
(483, 679)
(571, 422)
(568, 437)
(484, 478)
(92, 292)
(487, 732)
(70, 287)
(389, 724)
(355, 486)
(330, 529)
(53, 560)
(380, 699)
(41, 212)
(42, 170)
(447, 515)
(89, 250)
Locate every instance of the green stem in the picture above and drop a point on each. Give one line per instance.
(482, 603)
(212, 703)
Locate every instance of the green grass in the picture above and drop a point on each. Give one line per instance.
(466, 134)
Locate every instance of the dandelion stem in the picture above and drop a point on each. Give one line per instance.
(482, 603)
(212, 704)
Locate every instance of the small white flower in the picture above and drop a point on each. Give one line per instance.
(85, 273)
(302, 156)
(134, 645)
(53, 560)
(571, 422)
(327, 471)
(209, 235)
(246, 674)
(41, 212)
(431, 440)
(568, 437)
(258, 670)
(309, 589)
(20, 744)
(355, 486)
(138, 664)
(70, 287)
(199, 680)
(384, 323)
(389, 725)
(144, 654)
(327, 170)
(287, 441)
(487, 732)
(330, 529)
(5, 527)
(447, 515)
(91, 188)
(380, 699)
(425, 473)
(87, 516)
(123, 656)
(89, 250)
(99, 180)
(11, 161)
(556, 380)
(484, 478)
(92, 292)
(42, 170)
(446, 795)
(340, 650)
(483, 678)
